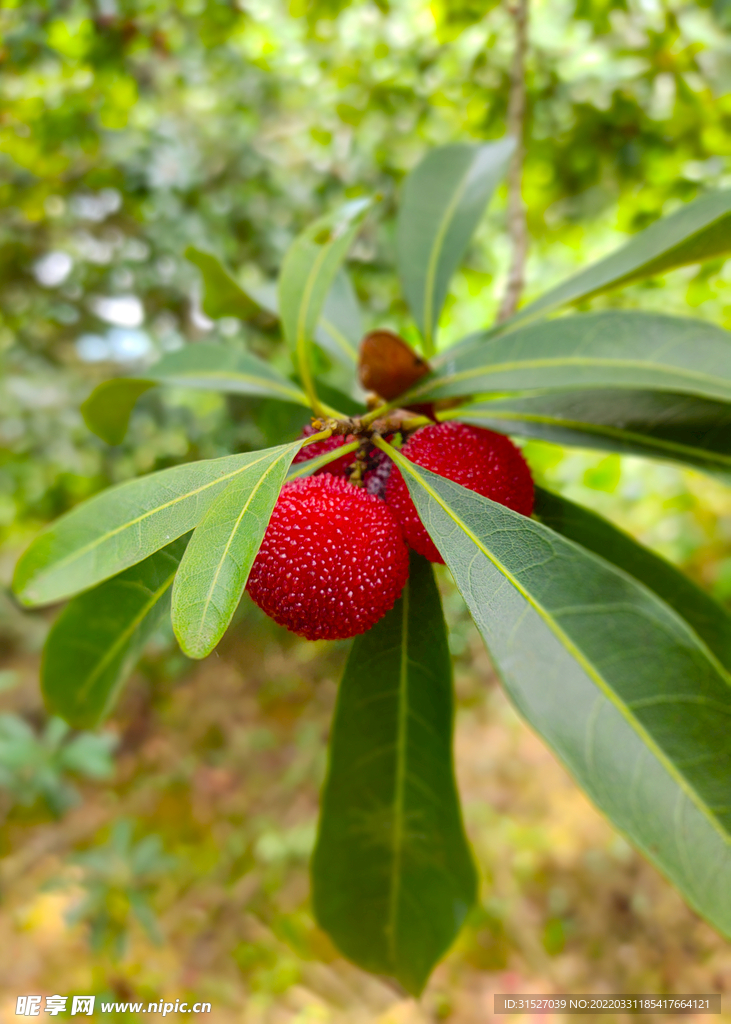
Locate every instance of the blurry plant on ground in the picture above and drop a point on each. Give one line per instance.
(37, 767)
(119, 879)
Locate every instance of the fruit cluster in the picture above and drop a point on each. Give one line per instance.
(335, 557)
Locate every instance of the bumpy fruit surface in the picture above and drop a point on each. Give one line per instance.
(479, 459)
(338, 467)
(333, 560)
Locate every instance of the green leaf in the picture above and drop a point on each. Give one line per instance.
(658, 424)
(222, 294)
(121, 526)
(205, 366)
(701, 230)
(108, 408)
(615, 681)
(340, 327)
(308, 272)
(615, 349)
(442, 202)
(97, 639)
(217, 562)
(218, 368)
(392, 873)
(707, 617)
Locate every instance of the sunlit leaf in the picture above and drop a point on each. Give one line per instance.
(452, 17)
(121, 526)
(442, 201)
(392, 873)
(216, 565)
(96, 640)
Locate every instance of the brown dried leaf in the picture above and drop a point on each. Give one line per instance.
(388, 366)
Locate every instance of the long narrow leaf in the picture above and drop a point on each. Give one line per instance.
(615, 349)
(658, 424)
(340, 328)
(218, 368)
(217, 562)
(708, 618)
(618, 684)
(209, 367)
(392, 874)
(95, 642)
(121, 526)
(308, 272)
(443, 200)
(701, 230)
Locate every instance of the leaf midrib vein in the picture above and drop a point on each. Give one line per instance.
(558, 362)
(397, 833)
(125, 635)
(264, 382)
(339, 338)
(301, 333)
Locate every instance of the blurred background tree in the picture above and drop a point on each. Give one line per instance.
(133, 128)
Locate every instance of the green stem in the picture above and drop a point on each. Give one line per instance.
(376, 413)
(388, 449)
(415, 422)
(322, 436)
(303, 362)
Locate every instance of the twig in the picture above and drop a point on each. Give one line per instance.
(517, 225)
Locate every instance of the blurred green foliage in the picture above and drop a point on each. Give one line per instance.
(37, 767)
(118, 879)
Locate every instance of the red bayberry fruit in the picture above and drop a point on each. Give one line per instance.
(479, 459)
(338, 467)
(333, 560)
